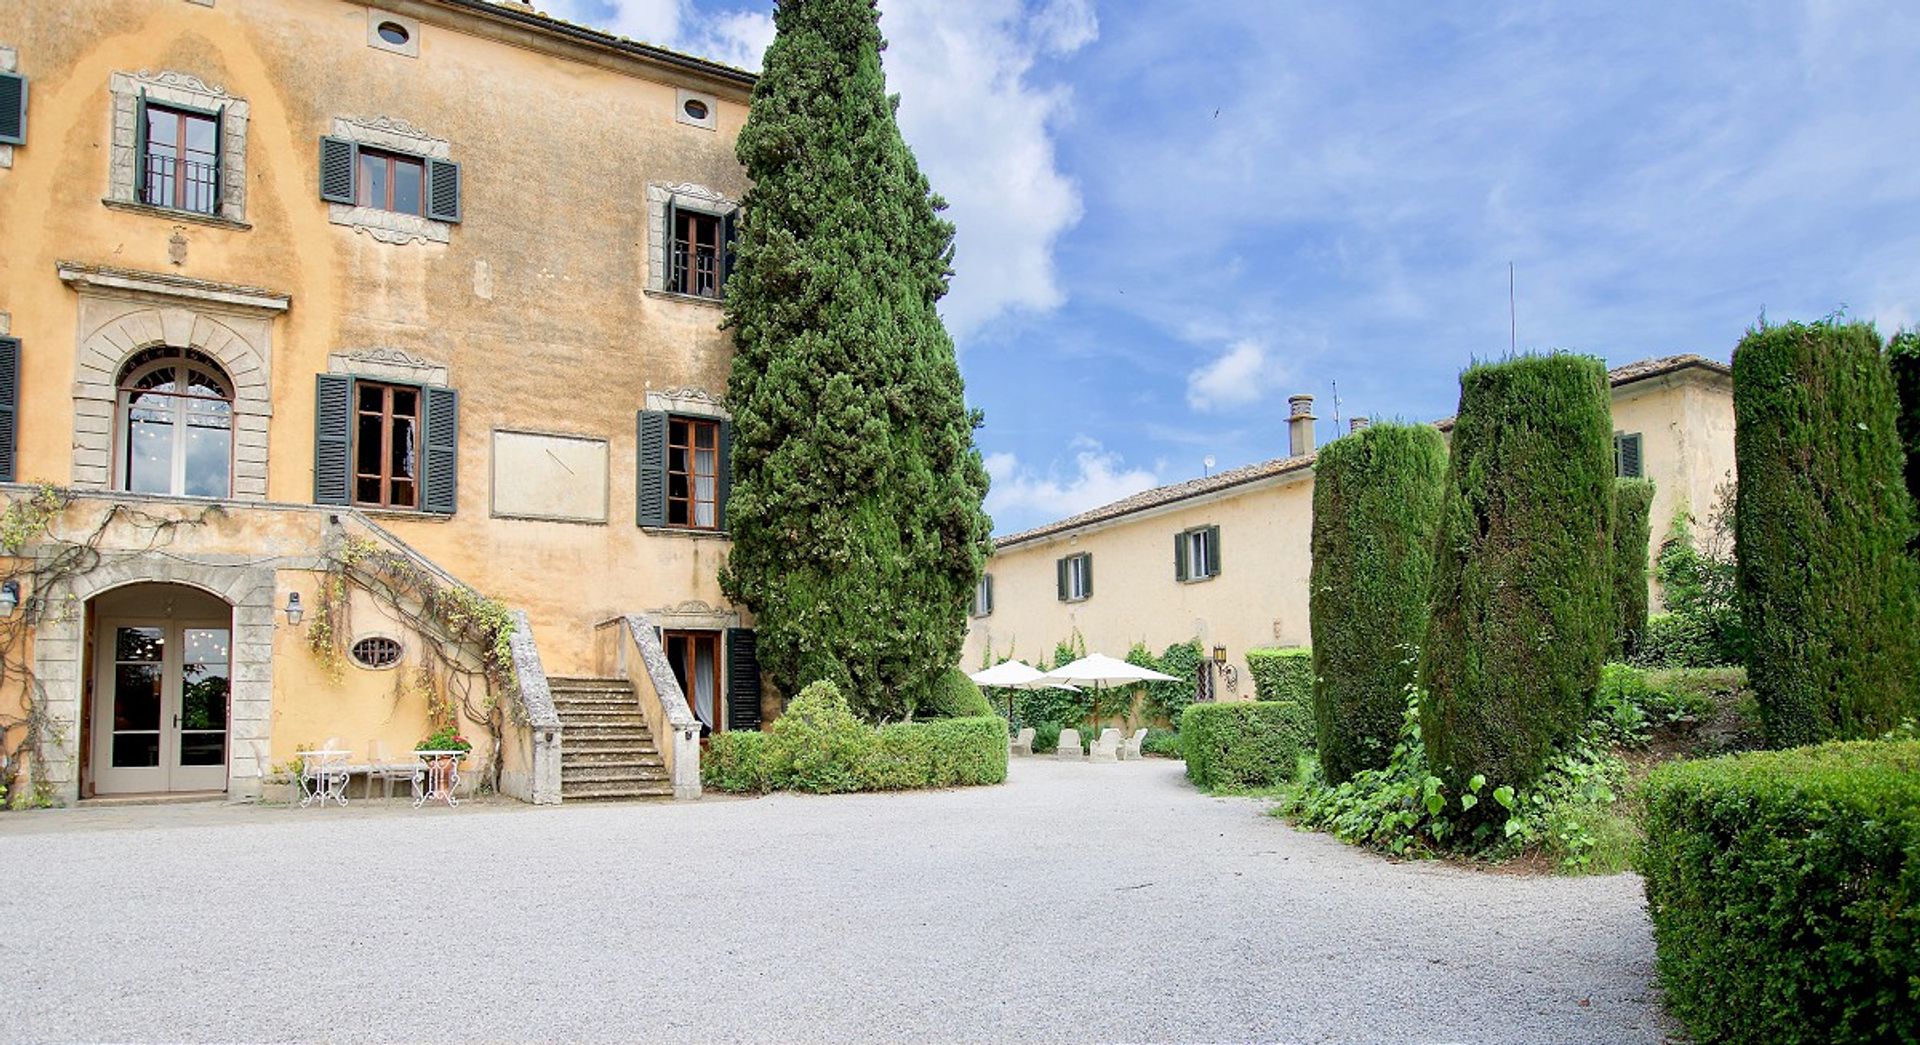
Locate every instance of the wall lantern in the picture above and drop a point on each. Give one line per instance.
(294, 610)
(9, 598)
(1219, 654)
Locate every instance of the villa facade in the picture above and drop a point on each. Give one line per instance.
(1226, 559)
(434, 279)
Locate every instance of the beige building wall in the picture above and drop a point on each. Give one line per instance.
(1260, 598)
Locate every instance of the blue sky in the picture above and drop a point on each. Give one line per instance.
(1173, 215)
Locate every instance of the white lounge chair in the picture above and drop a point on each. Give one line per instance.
(1107, 747)
(1070, 748)
(1022, 744)
(1130, 748)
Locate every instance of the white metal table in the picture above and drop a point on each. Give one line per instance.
(323, 776)
(442, 769)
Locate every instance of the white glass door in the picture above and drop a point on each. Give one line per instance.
(160, 706)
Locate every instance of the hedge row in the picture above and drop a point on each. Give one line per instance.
(1245, 744)
(1376, 501)
(819, 746)
(1822, 525)
(1784, 889)
(1522, 596)
(1903, 353)
(1632, 546)
(1281, 673)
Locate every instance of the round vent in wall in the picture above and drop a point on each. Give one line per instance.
(695, 109)
(393, 33)
(376, 651)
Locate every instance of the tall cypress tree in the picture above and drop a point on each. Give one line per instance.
(855, 511)
(1632, 541)
(1903, 353)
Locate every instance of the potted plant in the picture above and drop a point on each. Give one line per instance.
(446, 738)
(442, 769)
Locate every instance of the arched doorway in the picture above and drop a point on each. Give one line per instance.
(160, 690)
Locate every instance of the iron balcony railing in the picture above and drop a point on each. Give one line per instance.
(181, 184)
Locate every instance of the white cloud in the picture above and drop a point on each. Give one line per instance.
(1242, 374)
(736, 38)
(1022, 496)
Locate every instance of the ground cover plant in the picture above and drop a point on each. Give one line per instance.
(1376, 502)
(1784, 889)
(1822, 527)
(819, 745)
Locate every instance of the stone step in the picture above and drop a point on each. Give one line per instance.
(615, 791)
(571, 754)
(565, 685)
(614, 700)
(635, 732)
(603, 715)
(608, 773)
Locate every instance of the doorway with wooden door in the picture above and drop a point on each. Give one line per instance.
(160, 691)
(695, 657)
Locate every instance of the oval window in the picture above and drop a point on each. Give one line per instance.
(695, 109)
(393, 33)
(376, 651)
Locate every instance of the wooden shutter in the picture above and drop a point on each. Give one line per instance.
(443, 190)
(1630, 463)
(440, 485)
(671, 278)
(650, 482)
(743, 679)
(723, 482)
(1060, 577)
(987, 579)
(339, 166)
(219, 160)
(333, 439)
(1213, 551)
(1180, 556)
(1086, 575)
(9, 406)
(13, 109)
(727, 233)
(140, 148)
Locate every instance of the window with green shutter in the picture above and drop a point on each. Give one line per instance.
(379, 444)
(684, 471)
(743, 679)
(384, 179)
(13, 109)
(1075, 576)
(9, 407)
(1627, 461)
(1196, 554)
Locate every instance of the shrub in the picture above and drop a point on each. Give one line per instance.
(1903, 355)
(1522, 598)
(1376, 501)
(1245, 744)
(944, 753)
(737, 762)
(954, 695)
(1166, 700)
(1822, 524)
(1699, 582)
(1784, 889)
(1161, 742)
(818, 745)
(1632, 539)
(1046, 737)
(1282, 673)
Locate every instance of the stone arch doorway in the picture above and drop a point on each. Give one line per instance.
(80, 658)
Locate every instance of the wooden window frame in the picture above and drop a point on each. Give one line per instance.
(684, 277)
(362, 189)
(1077, 576)
(385, 475)
(178, 406)
(694, 636)
(178, 201)
(692, 501)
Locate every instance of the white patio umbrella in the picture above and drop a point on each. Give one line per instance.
(1014, 674)
(1099, 671)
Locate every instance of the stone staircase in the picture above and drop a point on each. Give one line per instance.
(606, 751)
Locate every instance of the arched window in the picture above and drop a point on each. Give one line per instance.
(176, 424)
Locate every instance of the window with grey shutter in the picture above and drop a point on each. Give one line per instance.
(441, 483)
(443, 191)
(9, 406)
(1213, 551)
(13, 109)
(1060, 578)
(650, 482)
(1180, 556)
(743, 679)
(1086, 575)
(338, 160)
(983, 596)
(1627, 463)
(333, 439)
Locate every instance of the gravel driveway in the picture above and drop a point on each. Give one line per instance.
(1079, 902)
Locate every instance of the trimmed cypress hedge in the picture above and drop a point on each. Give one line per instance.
(1281, 673)
(1632, 544)
(954, 695)
(1245, 744)
(1522, 598)
(1376, 503)
(1903, 355)
(1784, 888)
(1822, 523)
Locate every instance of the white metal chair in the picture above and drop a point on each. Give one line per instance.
(382, 765)
(324, 774)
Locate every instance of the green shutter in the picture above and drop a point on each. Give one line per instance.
(727, 232)
(1180, 556)
(9, 406)
(1213, 551)
(650, 480)
(743, 679)
(1060, 577)
(1630, 461)
(670, 259)
(339, 166)
(443, 191)
(988, 577)
(333, 439)
(140, 148)
(1086, 575)
(441, 483)
(723, 482)
(13, 109)
(219, 159)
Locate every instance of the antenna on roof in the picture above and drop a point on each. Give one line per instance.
(1336, 406)
(1513, 324)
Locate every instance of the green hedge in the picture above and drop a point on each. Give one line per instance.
(1245, 744)
(1376, 501)
(1822, 524)
(1784, 889)
(1282, 673)
(1632, 546)
(1903, 354)
(1522, 599)
(954, 695)
(819, 746)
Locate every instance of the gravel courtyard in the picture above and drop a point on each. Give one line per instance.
(1079, 902)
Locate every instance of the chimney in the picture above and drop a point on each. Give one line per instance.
(1357, 424)
(1300, 425)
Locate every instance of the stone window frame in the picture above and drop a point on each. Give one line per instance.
(391, 134)
(9, 63)
(176, 88)
(687, 196)
(682, 96)
(696, 403)
(123, 313)
(376, 17)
